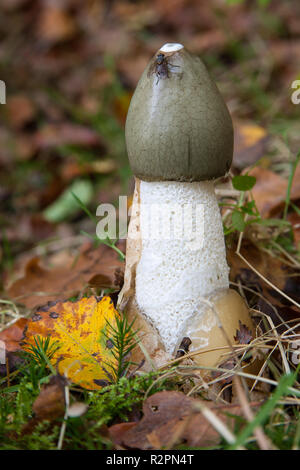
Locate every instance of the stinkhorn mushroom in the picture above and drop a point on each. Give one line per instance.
(179, 139)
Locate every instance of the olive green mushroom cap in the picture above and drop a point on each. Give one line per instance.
(178, 127)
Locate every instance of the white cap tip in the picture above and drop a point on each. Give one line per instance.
(171, 47)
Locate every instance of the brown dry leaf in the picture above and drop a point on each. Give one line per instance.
(171, 418)
(206, 40)
(50, 404)
(55, 24)
(25, 146)
(198, 17)
(269, 301)
(250, 142)
(132, 68)
(6, 153)
(71, 169)
(243, 334)
(9, 5)
(20, 110)
(81, 331)
(284, 278)
(286, 55)
(118, 432)
(30, 229)
(279, 312)
(121, 105)
(104, 282)
(270, 189)
(53, 135)
(12, 335)
(10, 339)
(290, 16)
(283, 50)
(40, 285)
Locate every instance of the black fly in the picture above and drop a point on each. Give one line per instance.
(160, 67)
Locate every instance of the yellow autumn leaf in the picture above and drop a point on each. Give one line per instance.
(81, 329)
(252, 134)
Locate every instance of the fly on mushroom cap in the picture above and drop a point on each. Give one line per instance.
(178, 127)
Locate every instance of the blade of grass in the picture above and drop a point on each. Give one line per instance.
(84, 207)
(290, 183)
(265, 411)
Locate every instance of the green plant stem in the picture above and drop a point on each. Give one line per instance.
(294, 165)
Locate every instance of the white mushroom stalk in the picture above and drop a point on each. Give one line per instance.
(183, 254)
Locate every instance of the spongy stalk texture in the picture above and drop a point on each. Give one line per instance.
(183, 254)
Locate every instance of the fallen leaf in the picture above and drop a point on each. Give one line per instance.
(209, 40)
(66, 205)
(25, 146)
(243, 334)
(30, 229)
(53, 135)
(104, 282)
(171, 418)
(270, 190)
(230, 364)
(12, 335)
(279, 274)
(281, 313)
(20, 110)
(81, 330)
(121, 103)
(281, 51)
(9, 5)
(50, 404)
(12, 361)
(250, 143)
(55, 24)
(269, 300)
(40, 285)
(132, 68)
(118, 432)
(72, 169)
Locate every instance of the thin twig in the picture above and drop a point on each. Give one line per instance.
(64, 423)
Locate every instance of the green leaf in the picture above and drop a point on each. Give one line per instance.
(238, 221)
(243, 182)
(248, 208)
(66, 205)
(294, 165)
